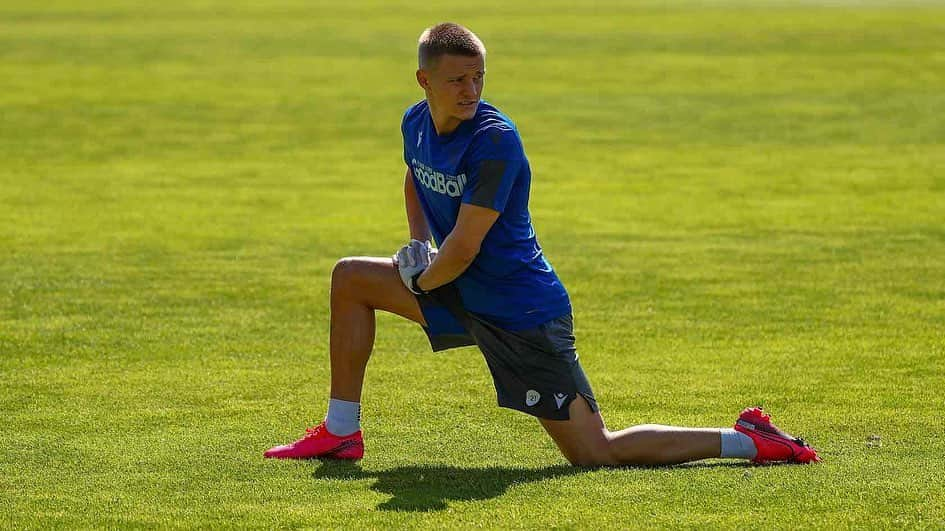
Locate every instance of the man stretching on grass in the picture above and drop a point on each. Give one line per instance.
(489, 285)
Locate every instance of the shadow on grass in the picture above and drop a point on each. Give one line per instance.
(428, 488)
(721, 463)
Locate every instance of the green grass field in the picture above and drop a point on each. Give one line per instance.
(745, 201)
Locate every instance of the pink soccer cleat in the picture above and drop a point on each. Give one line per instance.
(319, 442)
(772, 443)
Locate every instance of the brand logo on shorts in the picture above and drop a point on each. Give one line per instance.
(532, 397)
(560, 398)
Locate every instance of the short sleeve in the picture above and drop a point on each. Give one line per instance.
(403, 133)
(495, 163)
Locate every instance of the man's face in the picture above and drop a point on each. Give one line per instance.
(453, 86)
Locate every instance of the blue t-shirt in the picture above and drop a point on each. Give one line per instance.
(482, 162)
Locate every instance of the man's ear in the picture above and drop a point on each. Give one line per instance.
(422, 79)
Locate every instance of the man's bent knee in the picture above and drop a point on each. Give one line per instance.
(589, 457)
(375, 283)
(583, 439)
(346, 275)
(344, 271)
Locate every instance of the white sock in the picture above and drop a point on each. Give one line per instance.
(737, 444)
(343, 418)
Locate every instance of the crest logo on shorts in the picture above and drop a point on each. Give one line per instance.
(532, 397)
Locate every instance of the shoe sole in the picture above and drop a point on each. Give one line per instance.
(351, 450)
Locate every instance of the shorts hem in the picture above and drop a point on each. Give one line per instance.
(562, 413)
(441, 342)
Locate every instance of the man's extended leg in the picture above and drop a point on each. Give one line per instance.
(584, 440)
(359, 286)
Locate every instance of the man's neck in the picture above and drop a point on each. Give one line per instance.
(443, 125)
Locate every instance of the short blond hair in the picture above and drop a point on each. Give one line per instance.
(447, 38)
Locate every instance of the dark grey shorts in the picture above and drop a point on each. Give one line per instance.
(535, 371)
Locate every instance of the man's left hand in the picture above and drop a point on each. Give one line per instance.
(411, 261)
